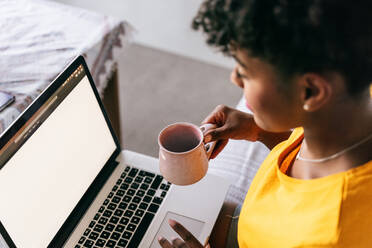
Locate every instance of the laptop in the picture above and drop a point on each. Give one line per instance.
(65, 181)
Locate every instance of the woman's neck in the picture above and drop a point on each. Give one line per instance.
(344, 124)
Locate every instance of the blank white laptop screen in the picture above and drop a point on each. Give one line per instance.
(42, 183)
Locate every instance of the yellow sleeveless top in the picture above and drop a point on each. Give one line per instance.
(281, 211)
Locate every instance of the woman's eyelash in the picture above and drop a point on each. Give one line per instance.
(239, 75)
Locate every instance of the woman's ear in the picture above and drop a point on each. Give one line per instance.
(316, 91)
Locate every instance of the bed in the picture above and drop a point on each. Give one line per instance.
(39, 38)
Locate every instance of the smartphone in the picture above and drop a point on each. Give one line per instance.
(5, 99)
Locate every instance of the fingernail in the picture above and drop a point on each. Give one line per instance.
(161, 239)
(171, 222)
(208, 138)
(174, 238)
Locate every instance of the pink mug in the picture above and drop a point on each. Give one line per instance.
(183, 156)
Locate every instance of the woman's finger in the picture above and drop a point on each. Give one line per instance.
(219, 133)
(189, 239)
(178, 243)
(218, 148)
(164, 243)
(217, 116)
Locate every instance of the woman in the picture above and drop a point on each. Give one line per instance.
(304, 66)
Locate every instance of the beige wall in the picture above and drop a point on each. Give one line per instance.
(161, 24)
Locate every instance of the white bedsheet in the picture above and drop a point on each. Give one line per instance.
(39, 38)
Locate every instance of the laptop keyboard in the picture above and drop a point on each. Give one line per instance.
(123, 218)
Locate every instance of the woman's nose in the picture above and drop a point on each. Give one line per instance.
(235, 79)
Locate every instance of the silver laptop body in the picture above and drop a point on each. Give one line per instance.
(65, 182)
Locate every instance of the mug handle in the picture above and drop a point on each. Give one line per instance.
(209, 146)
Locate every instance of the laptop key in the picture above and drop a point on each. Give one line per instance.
(103, 221)
(118, 212)
(123, 175)
(120, 228)
(127, 169)
(149, 174)
(122, 243)
(112, 206)
(144, 186)
(115, 236)
(142, 173)
(132, 206)
(120, 192)
(88, 243)
(107, 213)
(156, 183)
(119, 181)
(136, 199)
(114, 220)
(101, 209)
(96, 217)
(127, 235)
(140, 193)
(131, 227)
(87, 231)
(139, 212)
(147, 199)
(81, 240)
(124, 186)
(135, 220)
(134, 186)
(153, 208)
(124, 221)
(100, 242)
(148, 180)
(106, 202)
(98, 228)
(93, 235)
(92, 223)
(151, 192)
(133, 172)
(128, 180)
(127, 199)
(141, 230)
(123, 205)
(157, 200)
(138, 179)
(105, 235)
(128, 213)
(131, 192)
(109, 227)
(143, 206)
(111, 243)
(116, 199)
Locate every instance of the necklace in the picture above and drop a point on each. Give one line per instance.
(321, 160)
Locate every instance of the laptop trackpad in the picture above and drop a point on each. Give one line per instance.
(193, 225)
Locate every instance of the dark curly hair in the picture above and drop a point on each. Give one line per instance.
(295, 36)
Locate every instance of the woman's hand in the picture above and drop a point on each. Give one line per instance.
(189, 241)
(231, 124)
(235, 124)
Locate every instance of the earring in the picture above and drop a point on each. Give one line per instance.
(306, 107)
